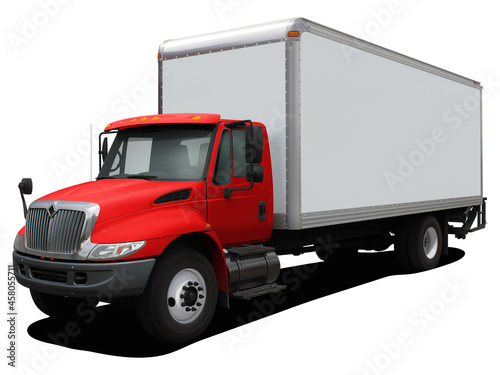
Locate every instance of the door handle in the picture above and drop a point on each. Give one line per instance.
(262, 211)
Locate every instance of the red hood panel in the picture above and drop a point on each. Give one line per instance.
(120, 197)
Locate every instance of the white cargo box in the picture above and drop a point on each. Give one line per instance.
(357, 132)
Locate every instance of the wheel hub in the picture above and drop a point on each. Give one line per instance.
(190, 296)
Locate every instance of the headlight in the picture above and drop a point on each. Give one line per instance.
(19, 242)
(115, 250)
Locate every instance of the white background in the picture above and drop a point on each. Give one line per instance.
(68, 66)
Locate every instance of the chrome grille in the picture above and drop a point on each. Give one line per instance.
(60, 233)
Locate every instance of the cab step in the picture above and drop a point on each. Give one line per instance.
(258, 291)
(250, 249)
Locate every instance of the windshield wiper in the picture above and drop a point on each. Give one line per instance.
(105, 178)
(142, 176)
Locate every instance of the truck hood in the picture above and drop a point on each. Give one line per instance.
(117, 197)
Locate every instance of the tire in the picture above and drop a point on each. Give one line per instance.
(61, 307)
(180, 298)
(425, 243)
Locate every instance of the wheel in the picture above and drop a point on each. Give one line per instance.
(180, 298)
(61, 307)
(425, 243)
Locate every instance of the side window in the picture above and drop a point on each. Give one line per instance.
(240, 164)
(117, 161)
(222, 172)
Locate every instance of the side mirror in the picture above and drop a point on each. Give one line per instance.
(254, 144)
(104, 151)
(255, 174)
(254, 147)
(25, 187)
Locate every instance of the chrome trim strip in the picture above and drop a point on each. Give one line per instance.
(363, 45)
(334, 217)
(225, 40)
(160, 86)
(293, 186)
(481, 137)
(278, 31)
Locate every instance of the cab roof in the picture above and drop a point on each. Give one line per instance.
(169, 118)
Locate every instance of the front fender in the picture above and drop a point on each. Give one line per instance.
(159, 227)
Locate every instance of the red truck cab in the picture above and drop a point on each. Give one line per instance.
(174, 192)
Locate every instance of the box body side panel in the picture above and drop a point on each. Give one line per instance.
(378, 133)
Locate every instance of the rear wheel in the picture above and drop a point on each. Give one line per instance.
(180, 299)
(425, 243)
(61, 307)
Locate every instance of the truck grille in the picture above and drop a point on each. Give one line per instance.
(59, 234)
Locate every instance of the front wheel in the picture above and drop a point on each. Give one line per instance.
(180, 298)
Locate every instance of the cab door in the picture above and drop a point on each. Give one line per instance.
(241, 218)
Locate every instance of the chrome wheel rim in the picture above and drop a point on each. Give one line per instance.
(186, 296)
(430, 242)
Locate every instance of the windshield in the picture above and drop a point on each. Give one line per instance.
(171, 152)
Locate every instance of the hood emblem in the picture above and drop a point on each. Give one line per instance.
(52, 210)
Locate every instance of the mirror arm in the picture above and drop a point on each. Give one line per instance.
(229, 191)
(23, 188)
(100, 152)
(24, 203)
(103, 147)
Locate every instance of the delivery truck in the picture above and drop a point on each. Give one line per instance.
(324, 139)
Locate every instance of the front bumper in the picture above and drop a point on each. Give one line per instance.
(104, 281)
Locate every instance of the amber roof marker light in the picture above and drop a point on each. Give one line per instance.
(294, 34)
